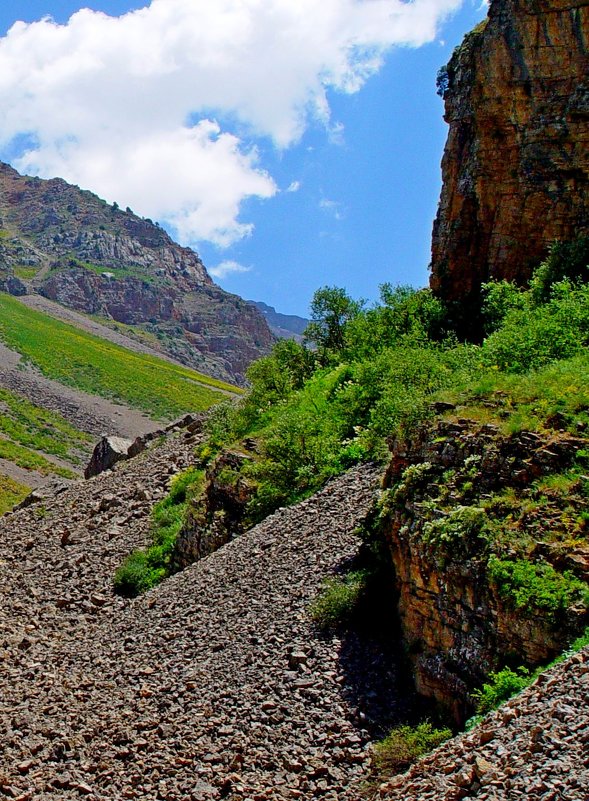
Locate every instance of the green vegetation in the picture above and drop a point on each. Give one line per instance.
(365, 375)
(30, 460)
(26, 273)
(11, 493)
(406, 744)
(504, 684)
(339, 599)
(67, 263)
(501, 686)
(145, 568)
(86, 362)
(29, 433)
(536, 586)
(39, 428)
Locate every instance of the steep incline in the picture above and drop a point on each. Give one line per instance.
(74, 248)
(214, 685)
(533, 748)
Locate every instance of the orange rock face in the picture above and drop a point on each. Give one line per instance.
(516, 164)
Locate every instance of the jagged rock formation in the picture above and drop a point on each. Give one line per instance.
(74, 248)
(455, 621)
(516, 165)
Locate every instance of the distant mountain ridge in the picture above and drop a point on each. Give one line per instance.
(72, 247)
(285, 326)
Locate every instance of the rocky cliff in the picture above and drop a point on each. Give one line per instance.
(516, 164)
(72, 247)
(474, 521)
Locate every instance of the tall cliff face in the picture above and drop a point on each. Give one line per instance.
(516, 164)
(74, 248)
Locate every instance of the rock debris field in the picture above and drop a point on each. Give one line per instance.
(216, 684)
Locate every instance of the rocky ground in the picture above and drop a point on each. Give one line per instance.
(535, 747)
(216, 684)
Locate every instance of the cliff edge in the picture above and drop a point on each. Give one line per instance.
(516, 164)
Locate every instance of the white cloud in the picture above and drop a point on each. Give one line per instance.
(127, 106)
(226, 268)
(294, 186)
(332, 207)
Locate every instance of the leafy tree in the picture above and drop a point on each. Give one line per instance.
(566, 260)
(331, 309)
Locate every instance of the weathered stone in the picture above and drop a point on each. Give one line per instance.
(516, 166)
(107, 453)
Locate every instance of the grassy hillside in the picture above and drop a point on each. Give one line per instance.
(37, 441)
(78, 359)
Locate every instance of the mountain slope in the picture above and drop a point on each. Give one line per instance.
(74, 248)
(213, 685)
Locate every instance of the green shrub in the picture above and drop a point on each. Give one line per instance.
(566, 260)
(145, 568)
(464, 529)
(405, 744)
(500, 687)
(531, 337)
(533, 586)
(339, 599)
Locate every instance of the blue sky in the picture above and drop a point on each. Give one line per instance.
(291, 148)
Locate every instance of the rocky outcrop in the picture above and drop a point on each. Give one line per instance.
(106, 454)
(441, 530)
(218, 514)
(516, 165)
(97, 259)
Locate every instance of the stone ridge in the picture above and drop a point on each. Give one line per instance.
(515, 169)
(72, 247)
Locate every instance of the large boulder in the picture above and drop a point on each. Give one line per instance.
(107, 453)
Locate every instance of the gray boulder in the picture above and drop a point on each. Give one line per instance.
(107, 453)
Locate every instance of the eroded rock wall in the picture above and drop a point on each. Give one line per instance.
(456, 624)
(516, 165)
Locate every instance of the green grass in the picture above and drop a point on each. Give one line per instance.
(145, 568)
(553, 396)
(39, 428)
(26, 273)
(11, 493)
(404, 745)
(30, 460)
(118, 272)
(76, 358)
(338, 599)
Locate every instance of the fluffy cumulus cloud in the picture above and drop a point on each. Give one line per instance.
(159, 108)
(228, 267)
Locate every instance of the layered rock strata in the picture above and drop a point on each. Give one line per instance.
(73, 248)
(457, 624)
(516, 165)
